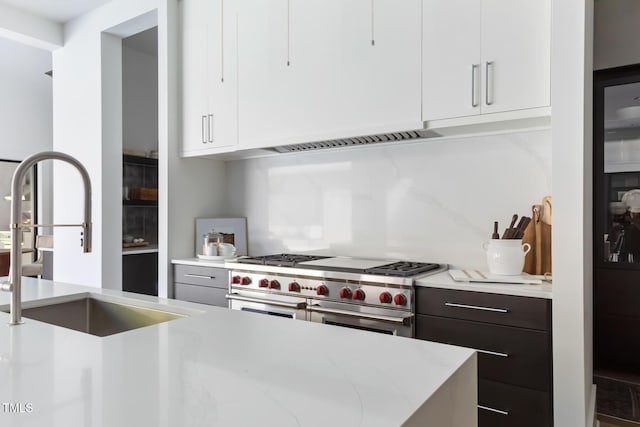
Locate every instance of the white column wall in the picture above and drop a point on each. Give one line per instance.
(571, 82)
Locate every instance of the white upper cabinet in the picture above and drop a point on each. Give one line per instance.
(516, 54)
(209, 76)
(451, 58)
(485, 56)
(265, 90)
(323, 69)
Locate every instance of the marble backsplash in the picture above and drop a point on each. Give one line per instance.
(433, 200)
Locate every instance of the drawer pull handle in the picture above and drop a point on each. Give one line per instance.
(295, 305)
(492, 353)
(199, 276)
(476, 307)
(497, 411)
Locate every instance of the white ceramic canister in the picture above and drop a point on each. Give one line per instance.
(506, 256)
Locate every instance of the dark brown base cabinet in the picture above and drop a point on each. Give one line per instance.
(140, 273)
(617, 321)
(204, 285)
(513, 337)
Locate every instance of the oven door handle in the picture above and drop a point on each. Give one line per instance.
(400, 320)
(236, 297)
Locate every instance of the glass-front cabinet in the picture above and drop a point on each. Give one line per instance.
(616, 219)
(617, 171)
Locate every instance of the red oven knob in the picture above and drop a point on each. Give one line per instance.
(385, 298)
(345, 293)
(400, 299)
(263, 283)
(235, 280)
(245, 281)
(322, 290)
(294, 287)
(274, 284)
(358, 294)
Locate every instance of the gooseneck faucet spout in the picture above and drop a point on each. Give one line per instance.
(15, 271)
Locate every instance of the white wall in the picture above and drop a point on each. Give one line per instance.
(78, 130)
(25, 103)
(26, 111)
(140, 99)
(434, 200)
(616, 32)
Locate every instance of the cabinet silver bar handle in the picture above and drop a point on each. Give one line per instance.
(199, 276)
(210, 127)
(288, 33)
(359, 314)
(222, 41)
(474, 103)
(476, 307)
(373, 16)
(497, 411)
(492, 353)
(486, 83)
(236, 297)
(204, 126)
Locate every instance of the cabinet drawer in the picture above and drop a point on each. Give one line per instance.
(202, 276)
(511, 355)
(201, 294)
(503, 405)
(533, 313)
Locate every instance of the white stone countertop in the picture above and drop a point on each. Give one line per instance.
(200, 262)
(220, 367)
(444, 280)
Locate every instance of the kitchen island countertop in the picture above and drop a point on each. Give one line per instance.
(219, 367)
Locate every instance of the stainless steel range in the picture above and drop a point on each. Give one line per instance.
(370, 294)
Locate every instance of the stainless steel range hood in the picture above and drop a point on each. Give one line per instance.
(356, 141)
(486, 124)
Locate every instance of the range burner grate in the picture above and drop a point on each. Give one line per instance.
(280, 260)
(402, 269)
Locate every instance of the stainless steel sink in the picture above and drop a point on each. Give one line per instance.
(98, 317)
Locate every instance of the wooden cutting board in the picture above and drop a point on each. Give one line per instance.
(134, 244)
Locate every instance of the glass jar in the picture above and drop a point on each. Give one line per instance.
(211, 242)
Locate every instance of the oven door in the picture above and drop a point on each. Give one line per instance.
(386, 321)
(272, 305)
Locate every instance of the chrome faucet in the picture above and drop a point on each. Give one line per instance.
(15, 272)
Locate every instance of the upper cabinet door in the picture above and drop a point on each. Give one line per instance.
(356, 66)
(380, 53)
(209, 76)
(322, 69)
(516, 54)
(195, 109)
(451, 59)
(264, 72)
(222, 73)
